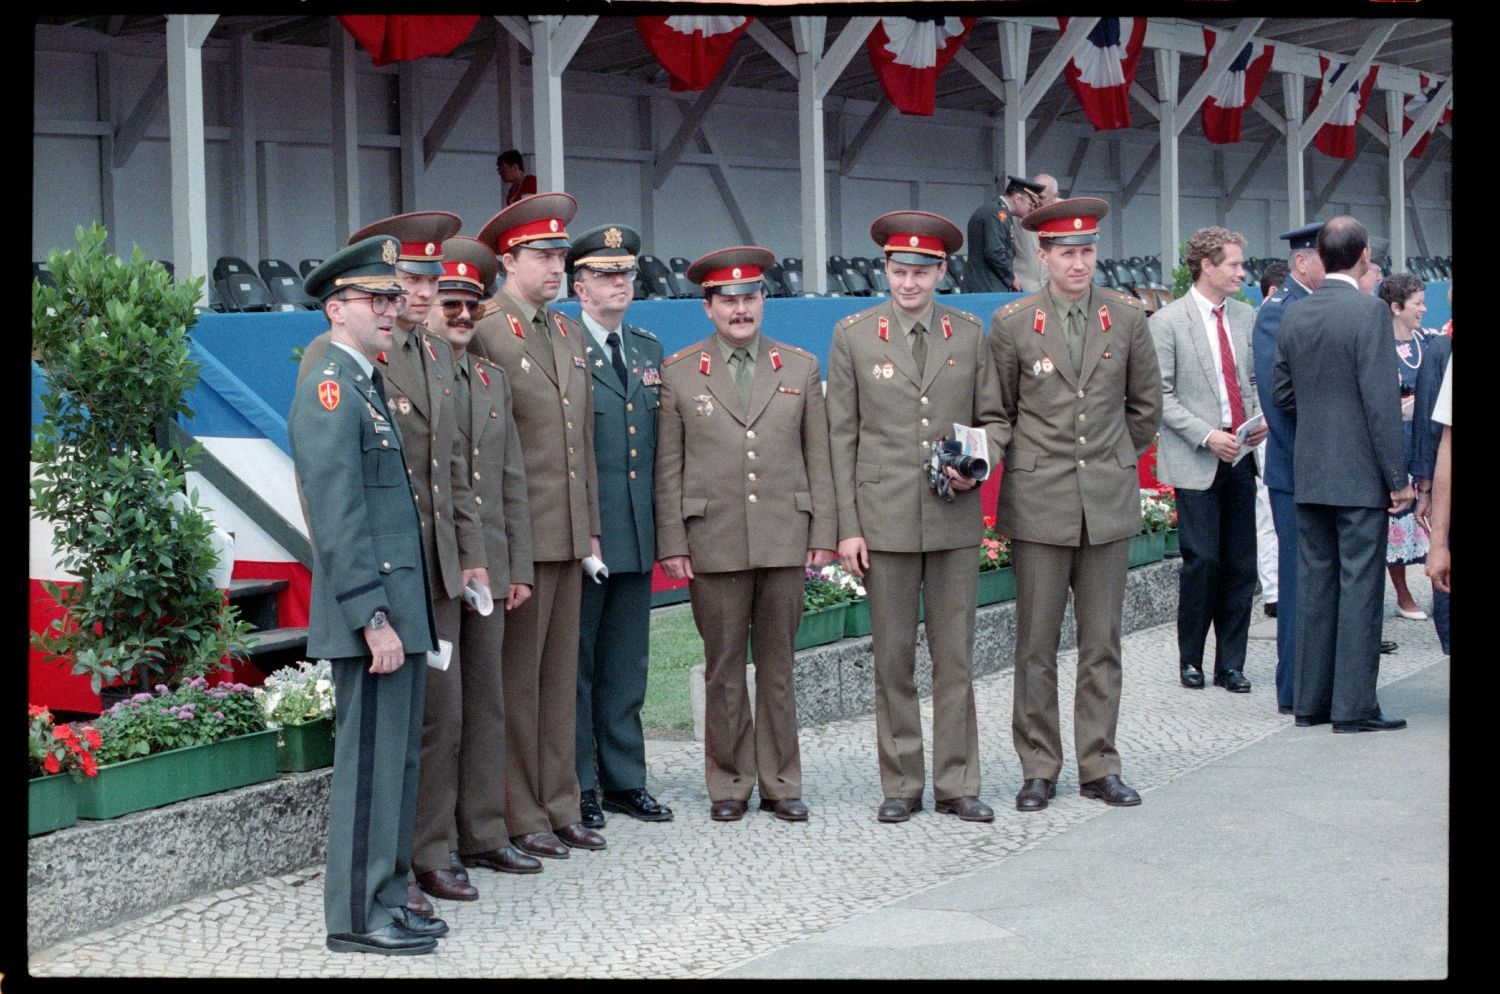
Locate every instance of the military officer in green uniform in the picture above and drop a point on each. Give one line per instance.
(418, 371)
(900, 375)
(615, 617)
(371, 611)
(1081, 392)
(472, 707)
(744, 503)
(992, 237)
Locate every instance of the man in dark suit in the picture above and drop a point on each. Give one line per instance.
(992, 237)
(1208, 391)
(1305, 276)
(1080, 389)
(615, 615)
(1335, 375)
(371, 611)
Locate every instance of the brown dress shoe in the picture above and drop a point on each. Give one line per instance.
(1034, 794)
(727, 810)
(580, 837)
(967, 809)
(787, 809)
(416, 901)
(507, 860)
(895, 809)
(442, 883)
(457, 867)
(543, 844)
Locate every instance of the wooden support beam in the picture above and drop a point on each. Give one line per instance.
(1261, 155)
(1321, 198)
(519, 29)
(133, 128)
(774, 46)
(718, 171)
(691, 122)
(1069, 45)
(843, 49)
(344, 140)
(1138, 179)
(567, 36)
(457, 102)
(1265, 110)
(1075, 167)
(981, 72)
(862, 137)
(1148, 103)
(1428, 117)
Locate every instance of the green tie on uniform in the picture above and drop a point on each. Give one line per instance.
(744, 375)
(461, 389)
(544, 339)
(919, 347)
(1073, 332)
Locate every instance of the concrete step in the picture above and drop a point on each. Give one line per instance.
(256, 600)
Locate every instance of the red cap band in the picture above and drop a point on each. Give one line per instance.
(454, 270)
(421, 252)
(905, 241)
(1084, 225)
(731, 274)
(547, 227)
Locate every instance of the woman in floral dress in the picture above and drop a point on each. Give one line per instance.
(1407, 297)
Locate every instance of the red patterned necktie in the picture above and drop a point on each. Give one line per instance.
(1231, 378)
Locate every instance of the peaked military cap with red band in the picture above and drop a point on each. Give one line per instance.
(421, 234)
(732, 271)
(1067, 222)
(539, 221)
(468, 264)
(916, 238)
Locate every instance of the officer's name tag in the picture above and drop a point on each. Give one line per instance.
(382, 427)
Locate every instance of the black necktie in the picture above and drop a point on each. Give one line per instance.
(613, 341)
(378, 382)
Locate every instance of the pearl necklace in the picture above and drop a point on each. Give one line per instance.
(1417, 341)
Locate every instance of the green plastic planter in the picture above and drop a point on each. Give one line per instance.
(857, 618)
(167, 777)
(1173, 550)
(308, 746)
(51, 803)
(996, 585)
(1148, 547)
(821, 626)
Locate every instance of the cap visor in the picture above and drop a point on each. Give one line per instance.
(914, 258)
(737, 289)
(422, 268)
(1088, 239)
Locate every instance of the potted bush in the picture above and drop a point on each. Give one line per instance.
(1157, 515)
(112, 338)
(997, 579)
(58, 756)
(857, 607)
(298, 702)
(1168, 496)
(174, 744)
(824, 604)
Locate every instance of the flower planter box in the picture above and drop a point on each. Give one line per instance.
(996, 585)
(857, 618)
(166, 777)
(821, 626)
(308, 746)
(51, 803)
(1173, 550)
(1148, 547)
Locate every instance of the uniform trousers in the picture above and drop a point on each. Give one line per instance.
(1266, 546)
(895, 582)
(1340, 603)
(613, 652)
(1284, 511)
(1216, 532)
(479, 809)
(442, 734)
(1044, 573)
(539, 665)
(373, 796)
(758, 608)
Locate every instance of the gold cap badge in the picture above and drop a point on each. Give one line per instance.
(736, 272)
(553, 224)
(389, 253)
(431, 249)
(463, 269)
(914, 241)
(613, 238)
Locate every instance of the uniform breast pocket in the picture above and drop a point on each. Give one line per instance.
(382, 462)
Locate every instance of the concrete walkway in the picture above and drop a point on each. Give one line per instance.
(1261, 850)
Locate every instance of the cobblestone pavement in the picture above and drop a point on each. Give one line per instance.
(692, 898)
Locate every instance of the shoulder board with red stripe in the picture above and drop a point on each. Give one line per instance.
(560, 329)
(1104, 318)
(1039, 324)
(947, 327)
(775, 359)
(515, 326)
(430, 350)
(483, 376)
(885, 329)
(703, 362)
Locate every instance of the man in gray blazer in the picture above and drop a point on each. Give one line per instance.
(1336, 375)
(1208, 391)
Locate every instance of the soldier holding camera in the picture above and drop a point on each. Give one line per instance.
(899, 376)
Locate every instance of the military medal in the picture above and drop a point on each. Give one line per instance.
(525, 365)
(403, 404)
(947, 327)
(885, 329)
(599, 362)
(1104, 318)
(705, 405)
(877, 371)
(1040, 324)
(328, 394)
(515, 326)
(887, 370)
(1036, 368)
(1105, 356)
(651, 376)
(578, 361)
(1046, 364)
(703, 363)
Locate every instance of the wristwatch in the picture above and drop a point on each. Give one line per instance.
(377, 620)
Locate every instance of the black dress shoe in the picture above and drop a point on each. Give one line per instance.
(1375, 723)
(1309, 720)
(1192, 677)
(1387, 647)
(419, 924)
(787, 809)
(588, 806)
(416, 900)
(897, 809)
(443, 884)
(727, 810)
(1233, 681)
(579, 836)
(1112, 791)
(636, 803)
(1270, 609)
(392, 940)
(507, 860)
(1034, 794)
(543, 844)
(967, 809)
(457, 867)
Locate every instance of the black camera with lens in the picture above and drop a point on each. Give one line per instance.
(946, 453)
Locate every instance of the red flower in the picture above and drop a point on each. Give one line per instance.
(90, 766)
(35, 710)
(92, 735)
(63, 733)
(989, 521)
(50, 764)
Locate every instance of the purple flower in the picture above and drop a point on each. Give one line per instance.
(161, 688)
(219, 715)
(185, 716)
(139, 698)
(198, 683)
